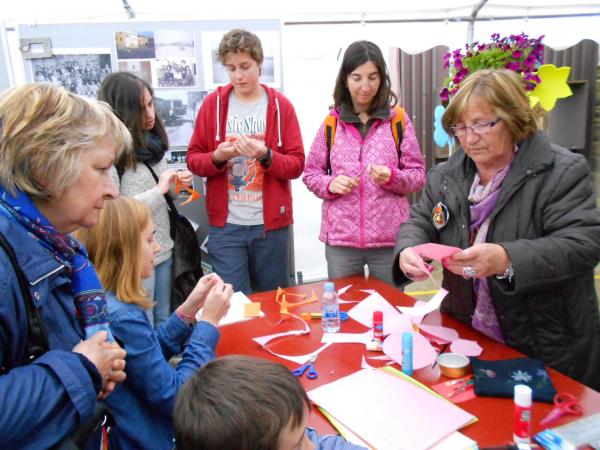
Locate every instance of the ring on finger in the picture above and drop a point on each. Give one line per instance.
(469, 272)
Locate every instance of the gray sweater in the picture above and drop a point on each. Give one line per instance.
(140, 184)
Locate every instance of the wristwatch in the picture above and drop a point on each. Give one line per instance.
(508, 274)
(265, 159)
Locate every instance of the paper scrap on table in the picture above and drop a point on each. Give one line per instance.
(252, 309)
(380, 426)
(423, 352)
(443, 334)
(347, 338)
(434, 251)
(392, 319)
(263, 340)
(365, 365)
(236, 311)
(456, 391)
(344, 289)
(381, 358)
(426, 308)
(298, 359)
(466, 347)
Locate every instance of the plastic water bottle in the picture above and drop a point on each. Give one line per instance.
(330, 320)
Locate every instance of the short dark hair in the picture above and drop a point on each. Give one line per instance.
(238, 403)
(240, 41)
(357, 54)
(124, 91)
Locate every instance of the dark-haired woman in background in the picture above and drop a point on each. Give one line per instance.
(364, 196)
(132, 99)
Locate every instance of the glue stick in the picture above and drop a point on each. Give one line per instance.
(378, 326)
(407, 353)
(522, 434)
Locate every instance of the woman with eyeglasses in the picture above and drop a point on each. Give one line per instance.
(524, 212)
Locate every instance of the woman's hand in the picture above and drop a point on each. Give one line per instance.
(108, 358)
(342, 184)
(217, 302)
(379, 173)
(480, 261)
(250, 148)
(165, 179)
(197, 297)
(411, 263)
(185, 177)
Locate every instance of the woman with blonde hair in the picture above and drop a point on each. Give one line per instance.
(123, 247)
(56, 151)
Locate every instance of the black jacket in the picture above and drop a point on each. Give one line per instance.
(547, 220)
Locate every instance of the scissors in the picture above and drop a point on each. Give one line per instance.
(310, 365)
(564, 403)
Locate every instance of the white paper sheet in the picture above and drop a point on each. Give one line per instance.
(236, 310)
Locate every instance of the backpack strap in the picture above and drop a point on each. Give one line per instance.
(37, 342)
(330, 123)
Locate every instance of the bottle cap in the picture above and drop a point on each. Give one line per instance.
(523, 395)
(378, 316)
(329, 287)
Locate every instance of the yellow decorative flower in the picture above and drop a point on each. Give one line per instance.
(552, 87)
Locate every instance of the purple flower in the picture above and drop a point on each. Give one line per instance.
(513, 66)
(517, 54)
(444, 94)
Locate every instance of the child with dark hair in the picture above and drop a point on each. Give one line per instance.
(245, 403)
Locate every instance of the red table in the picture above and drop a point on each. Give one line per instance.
(495, 424)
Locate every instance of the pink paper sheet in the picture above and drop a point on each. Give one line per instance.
(434, 251)
(392, 319)
(423, 353)
(372, 404)
(444, 334)
(466, 347)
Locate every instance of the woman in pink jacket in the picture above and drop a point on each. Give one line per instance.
(365, 177)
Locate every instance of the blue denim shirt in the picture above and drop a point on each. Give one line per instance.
(43, 402)
(333, 442)
(143, 404)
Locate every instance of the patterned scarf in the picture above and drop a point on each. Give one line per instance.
(483, 200)
(90, 302)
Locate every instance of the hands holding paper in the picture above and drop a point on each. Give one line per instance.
(484, 259)
(212, 294)
(413, 266)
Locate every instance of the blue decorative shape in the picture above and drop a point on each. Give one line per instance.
(440, 136)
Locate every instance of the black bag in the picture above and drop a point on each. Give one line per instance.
(36, 346)
(187, 259)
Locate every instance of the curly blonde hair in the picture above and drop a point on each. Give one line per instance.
(43, 131)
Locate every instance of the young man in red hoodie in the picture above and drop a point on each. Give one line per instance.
(247, 144)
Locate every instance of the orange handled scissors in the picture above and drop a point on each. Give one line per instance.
(564, 404)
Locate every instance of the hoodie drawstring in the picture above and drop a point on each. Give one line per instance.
(279, 143)
(218, 138)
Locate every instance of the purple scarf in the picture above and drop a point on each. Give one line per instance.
(483, 200)
(89, 299)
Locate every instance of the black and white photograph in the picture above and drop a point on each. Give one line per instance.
(175, 72)
(142, 69)
(195, 99)
(177, 157)
(135, 45)
(173, 107)
(78, 73)
(215, 74)
(174, 44)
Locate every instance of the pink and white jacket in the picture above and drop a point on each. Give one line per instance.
(371, 214)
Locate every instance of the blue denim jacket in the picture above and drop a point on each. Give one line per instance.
(333, 442)
(43, 402)
(143, 404)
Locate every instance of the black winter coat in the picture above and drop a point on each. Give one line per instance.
(547, 220)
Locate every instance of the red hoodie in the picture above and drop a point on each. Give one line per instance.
(282, 136)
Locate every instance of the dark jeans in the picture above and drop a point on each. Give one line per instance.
(249, 258)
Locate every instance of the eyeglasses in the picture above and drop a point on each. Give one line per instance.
(477, 128)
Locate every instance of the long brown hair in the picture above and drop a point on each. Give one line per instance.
(357, 54)
(124, 92)
(114, 245)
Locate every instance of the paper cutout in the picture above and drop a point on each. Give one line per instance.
(236, 310)
(344, 289)
(444, 334)
(423, 352)
(457, 390)
(347, 338)
(300, 359)
(379, 428)
(466, 347)
(426, 308)
(179, 186)
(552, 87)
(281, 298)
(435, 251)
(440, 136)
(365, 365)
(392, 319)
(252, 309)
(263, 340)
